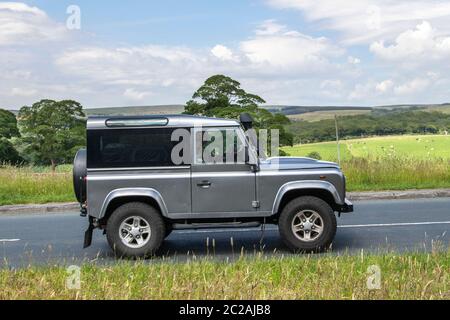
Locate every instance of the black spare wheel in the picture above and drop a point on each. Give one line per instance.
(79, 175)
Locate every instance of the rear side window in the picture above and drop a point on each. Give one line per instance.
(120, 148)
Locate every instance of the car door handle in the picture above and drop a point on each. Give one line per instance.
(204, 184)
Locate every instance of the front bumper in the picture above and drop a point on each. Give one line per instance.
(346, 207)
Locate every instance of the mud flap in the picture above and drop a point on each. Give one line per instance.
(88, 234)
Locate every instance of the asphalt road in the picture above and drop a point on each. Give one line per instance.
(375, 226)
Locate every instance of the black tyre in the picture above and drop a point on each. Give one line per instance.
(307, 224)
(79, 175)
(169, 230)
(135, 230)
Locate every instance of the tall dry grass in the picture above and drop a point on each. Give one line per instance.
(34, 185)
(396, 173)
(412, 276)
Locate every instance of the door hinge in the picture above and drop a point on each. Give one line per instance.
(255, 204)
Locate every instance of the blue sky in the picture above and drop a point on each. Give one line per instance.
(295, 52)
(196, 23)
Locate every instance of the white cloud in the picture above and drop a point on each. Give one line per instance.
(331, 84)
(412, 87)
(353, 60)
(283, 65)
(23, 92)
(22, 24)
(361, 92)
(222, 52)
(387, 92)
(276, 46)
(136, 95)
(129, 65)
(269, 27)
(178, 71)
(331, 89)
(362, 21)
(384, 86)
(421, 42)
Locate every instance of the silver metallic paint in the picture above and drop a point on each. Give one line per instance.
(234, 187)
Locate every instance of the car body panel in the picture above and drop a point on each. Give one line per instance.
(172, 184)
(133, 192)
(232, 189)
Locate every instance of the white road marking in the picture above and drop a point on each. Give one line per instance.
(341, 226)
(9, 240)
(393, 224)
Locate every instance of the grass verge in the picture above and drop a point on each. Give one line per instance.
(25, 185)
(35, 185)
(396, 174)
(409, 276)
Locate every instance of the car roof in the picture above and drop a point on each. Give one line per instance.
(178, 120)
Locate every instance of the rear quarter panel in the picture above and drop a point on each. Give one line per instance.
(173, 184)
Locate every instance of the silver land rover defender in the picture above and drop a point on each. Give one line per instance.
(142, 177)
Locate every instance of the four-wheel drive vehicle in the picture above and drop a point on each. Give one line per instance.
(130, 185)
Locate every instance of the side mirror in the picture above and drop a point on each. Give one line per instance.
(246, 120)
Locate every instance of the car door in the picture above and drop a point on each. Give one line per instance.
(222, 188)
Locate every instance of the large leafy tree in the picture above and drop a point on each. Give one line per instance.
(52, 131)
(8, 154)
(8, 130)
(222, 96)
(8, 124)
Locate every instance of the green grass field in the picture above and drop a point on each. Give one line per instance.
(388, 163)
(417, 147)
(411, 276)
(425, 147)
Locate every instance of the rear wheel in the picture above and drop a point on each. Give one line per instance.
(307, 224)
(169, 230)
(135, 230)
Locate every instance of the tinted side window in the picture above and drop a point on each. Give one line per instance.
(118, 148)
(219, 146)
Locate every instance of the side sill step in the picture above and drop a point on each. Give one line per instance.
(185, 226)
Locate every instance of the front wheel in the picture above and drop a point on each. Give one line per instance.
(307, 224)
(135, 230)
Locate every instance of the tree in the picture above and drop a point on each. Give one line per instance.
(52, 131)
(8, 130)
(8, 154)
(222, 96)
(222, 92)
(8, 124)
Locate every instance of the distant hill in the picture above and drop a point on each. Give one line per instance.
(292, 110)
(132, 111)
(317, 113)
(308, 113)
